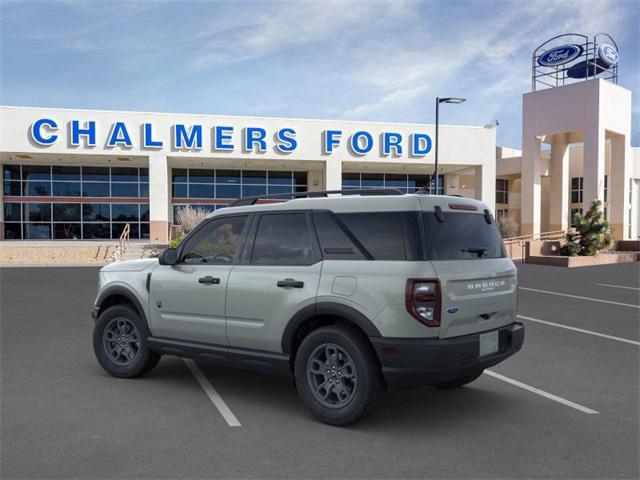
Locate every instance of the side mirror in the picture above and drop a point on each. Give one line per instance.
(169, 257)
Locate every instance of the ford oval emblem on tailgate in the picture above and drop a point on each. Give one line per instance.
(452, 309)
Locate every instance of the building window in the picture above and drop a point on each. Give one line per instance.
(573, 212)
(65, 211)
(502, 213)
(197, 185)
(406, 183)
(576, 190)
(606, 187)
(502, 190)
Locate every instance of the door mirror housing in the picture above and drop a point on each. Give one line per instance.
(169, 257)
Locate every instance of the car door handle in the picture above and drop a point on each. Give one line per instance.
(290, 282)
(209, 280)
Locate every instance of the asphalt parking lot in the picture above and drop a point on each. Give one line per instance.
(566, 406)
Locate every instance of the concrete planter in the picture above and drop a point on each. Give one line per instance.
(546, 253)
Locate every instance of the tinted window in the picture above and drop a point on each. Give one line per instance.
(283, 239)
(216, 242)
(462, 236)
(381, 233)
(334, 242)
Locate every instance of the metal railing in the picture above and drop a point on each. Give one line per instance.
(515, 246)
(123, 243)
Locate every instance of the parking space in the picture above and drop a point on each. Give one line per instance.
(63, 417)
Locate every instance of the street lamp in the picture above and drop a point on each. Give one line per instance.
(438, 102)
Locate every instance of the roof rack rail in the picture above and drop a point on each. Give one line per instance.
(245, 201)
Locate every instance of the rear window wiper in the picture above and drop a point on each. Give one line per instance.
(479, 250)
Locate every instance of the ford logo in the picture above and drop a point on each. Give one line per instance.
(560, 55)
(608, 54)
(452, 309)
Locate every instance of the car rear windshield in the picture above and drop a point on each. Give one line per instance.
(461, 236)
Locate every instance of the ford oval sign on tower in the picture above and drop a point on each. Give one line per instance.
(608, 54)
(560, 55)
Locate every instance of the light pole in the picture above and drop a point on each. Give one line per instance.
(438, 102)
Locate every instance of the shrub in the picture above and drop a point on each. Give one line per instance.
(189, 217)
(176, 241)
(591, 235)
(508, 226)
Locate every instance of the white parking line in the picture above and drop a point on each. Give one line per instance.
(213, 395)
(616, 286)
(581, 330)
(579, 297)
(542, 393)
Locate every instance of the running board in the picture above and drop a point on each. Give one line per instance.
(258, 360)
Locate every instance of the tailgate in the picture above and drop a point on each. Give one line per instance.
(477, 295)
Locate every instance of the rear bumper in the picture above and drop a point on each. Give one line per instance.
(417, 362)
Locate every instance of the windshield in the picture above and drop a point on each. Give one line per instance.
(461, 236)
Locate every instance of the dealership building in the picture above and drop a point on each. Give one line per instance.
(85, 174)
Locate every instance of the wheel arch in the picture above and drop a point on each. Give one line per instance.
(321, 314)
(119, 295)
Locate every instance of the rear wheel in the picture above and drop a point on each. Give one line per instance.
(337, 375)
(460, 381)
(120, 343)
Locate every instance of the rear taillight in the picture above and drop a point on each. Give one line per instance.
(422, 298)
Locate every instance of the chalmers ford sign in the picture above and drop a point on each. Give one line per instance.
(222, 138)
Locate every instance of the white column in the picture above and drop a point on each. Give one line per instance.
(618, 188)
(452, 184)
(333, 174)
(531, 186)
(559, 205)
(485, 184)
(159, 198)
(593, 167)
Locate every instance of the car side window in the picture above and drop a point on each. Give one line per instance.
(216, 242)
(283, 239)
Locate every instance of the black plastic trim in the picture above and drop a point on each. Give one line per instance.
(409, 363)
(259, 360)
(119, 290)
(325, 308)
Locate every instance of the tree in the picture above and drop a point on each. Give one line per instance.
(591, 235)
(508, 226)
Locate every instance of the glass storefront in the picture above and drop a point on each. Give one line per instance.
(114, 197)
(196, 184)
(406, 183)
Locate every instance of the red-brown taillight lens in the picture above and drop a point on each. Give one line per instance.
(422, 298)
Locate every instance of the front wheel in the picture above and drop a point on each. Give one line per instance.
(120, 343)
(337, 375)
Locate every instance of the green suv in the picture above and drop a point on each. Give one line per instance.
(349, 294)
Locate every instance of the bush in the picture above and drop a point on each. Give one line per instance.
(189, 217)
(176, 241)
(591, 235)
(508, 226)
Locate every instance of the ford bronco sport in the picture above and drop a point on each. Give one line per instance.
(349, 294)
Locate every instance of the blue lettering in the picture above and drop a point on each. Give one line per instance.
(89, 131)
(221, 137)
(186, 139)
(147, 138)
(119, 136)
(286, 141)
(356, 145)
(391, 140)
(253, 136)
(420, 144)
(36, 131)
(329, 140)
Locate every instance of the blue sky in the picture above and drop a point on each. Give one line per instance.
(367, 60)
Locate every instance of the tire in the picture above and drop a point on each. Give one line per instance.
(461, 381)
(337, 375)
(130, 358)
